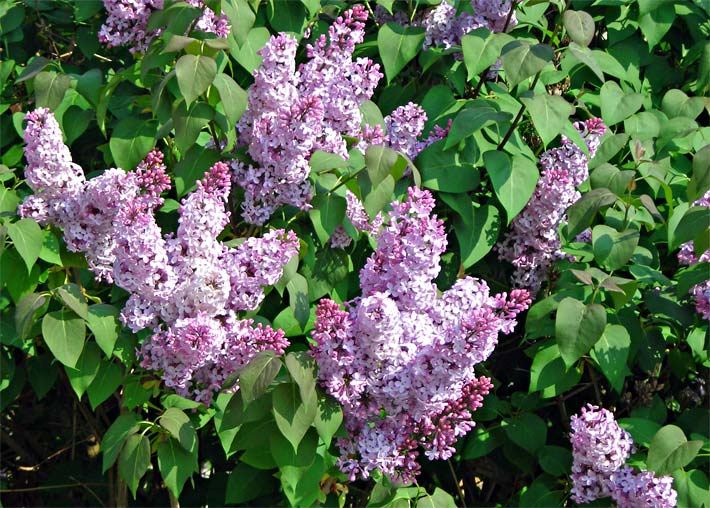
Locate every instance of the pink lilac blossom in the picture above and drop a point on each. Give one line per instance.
(293, 112)
(532, 244)
(600, 447)
(127, 23)
(85, 210)
(356, 214)
(400, 358)
(189, 287)
(686, 256)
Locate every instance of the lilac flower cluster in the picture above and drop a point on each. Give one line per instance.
(401, 359)
(686, 256)
(186, 287)
(85, 210)
(444, 28)
(532, 244)
(292, 112)
(600, 447)
(127, 23)
(189, 287)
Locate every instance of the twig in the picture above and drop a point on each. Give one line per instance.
(515, 123)
(49, 487)
(89, 490)
(462, 494)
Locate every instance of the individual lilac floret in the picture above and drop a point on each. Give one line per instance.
(292, 113)
(599, 448)
(532, 245)
(686, 256)
(400, 358)
(85, 210)
(127, 23)
(189, 287)
(633, 489)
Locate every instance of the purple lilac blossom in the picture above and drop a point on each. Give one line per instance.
(600, 447)
(532, 245)
(85, 210)
(293, 112)
(686, 256)
(400, 358)
(127, 23)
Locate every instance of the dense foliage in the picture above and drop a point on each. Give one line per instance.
(389, 253)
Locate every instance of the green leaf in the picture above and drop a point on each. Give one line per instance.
(256, 377)
(328, 419)
(192, 167)
(611, 353)
(73, 298)
(526, 430)
(480, 443)
(293, 415)
(176, 422)
(25, 312)
(477, 234)
(577, 328)
(641, 429)
(64, 333)
(247, 55)
(513, 180)
(246, 483)
(302, 368)
(297, 289)
(134, 460)
(481, 49)
(522, 60)
(676, 103)
(549, 375)
(694, 221)
(398, 45)
(107, 381)
(116, 435)
(700, 181)
(102, 320)
(445, 170)
(613, 249)
(380, 162)
(327, 214)
(581, 214)
(656, 24)
(692, 487)
(27, 238)
(131, 140)
(323, 161)
(579, 26)
(241, 18)
(233, 97)
(81, 377)
(176, 465)
(189, 122)
(50, 88)
(195, 73)
(670, 450)
(473, 119)
(549, 114)
(50, 251)
(555, 460)
(616, 105)
(587, 57)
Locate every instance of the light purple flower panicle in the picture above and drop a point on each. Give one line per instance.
(600, 447)
(532, 245)
(127, 23)
(400, 358)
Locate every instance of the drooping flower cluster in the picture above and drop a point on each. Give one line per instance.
(85, 210)
(600, 447)
(292, 112)
(686, 256)
(127, 23)
(532, 244)
(187, 287)
(401, 358)
(445, 28)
